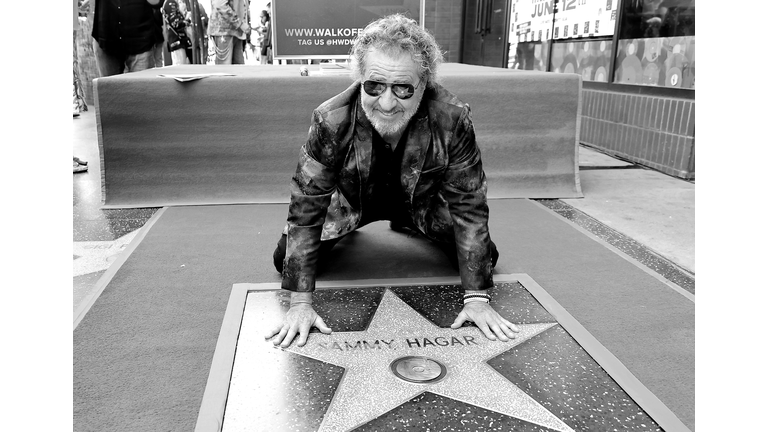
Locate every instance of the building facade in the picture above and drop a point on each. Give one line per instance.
(636, 58)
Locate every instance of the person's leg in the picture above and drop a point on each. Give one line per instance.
(78, 97)
(449, 249)
(237, 51)
(444, 239)
(158, 52)
(107, 64)
(140, 62)
(264, 58)
(223, 47)
(179, 57)
(279, 255)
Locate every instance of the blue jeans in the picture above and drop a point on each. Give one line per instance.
(109, 64)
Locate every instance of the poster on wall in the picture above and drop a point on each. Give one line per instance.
(585, 18)
(325, 29)
(531, 20)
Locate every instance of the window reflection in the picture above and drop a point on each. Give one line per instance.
(590, 58)
(657, 44)
(658, 18)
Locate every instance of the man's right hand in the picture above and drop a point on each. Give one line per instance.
(298, 320)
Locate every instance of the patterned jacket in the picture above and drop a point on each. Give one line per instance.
(226, 18)
(176, 38)
(441, 175)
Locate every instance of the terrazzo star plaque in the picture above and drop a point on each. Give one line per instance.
(370, 389)
(394, 363)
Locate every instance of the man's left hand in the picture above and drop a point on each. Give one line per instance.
(487, 320)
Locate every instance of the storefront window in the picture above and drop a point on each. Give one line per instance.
(657, 44)
(581, 32)
(591, 59)
(530, 33)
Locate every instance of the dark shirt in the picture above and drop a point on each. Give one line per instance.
(125, 27)
(385, 199)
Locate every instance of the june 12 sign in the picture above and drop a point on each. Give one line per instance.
(325, 29)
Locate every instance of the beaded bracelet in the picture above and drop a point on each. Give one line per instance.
(477, 297)
(488, 296)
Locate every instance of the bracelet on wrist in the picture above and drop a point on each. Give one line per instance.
(477, 297)
(472, 295)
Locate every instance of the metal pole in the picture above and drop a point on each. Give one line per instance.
(196, 45)
(551, 37)
(616, 34)
(422, 13)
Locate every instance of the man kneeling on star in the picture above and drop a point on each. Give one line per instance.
(394, 146)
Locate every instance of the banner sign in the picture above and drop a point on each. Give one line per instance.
(325, 29)
(585, 18)
(532, 20)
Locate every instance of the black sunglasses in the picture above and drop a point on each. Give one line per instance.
(401, 91)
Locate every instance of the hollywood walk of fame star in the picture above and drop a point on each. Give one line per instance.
(369, 387)
(93, 256)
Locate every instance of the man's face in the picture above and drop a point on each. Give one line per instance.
(388, 113)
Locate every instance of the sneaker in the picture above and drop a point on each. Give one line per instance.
(76, 167)
(79, 161)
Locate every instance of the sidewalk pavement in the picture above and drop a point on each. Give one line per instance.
(653, 208)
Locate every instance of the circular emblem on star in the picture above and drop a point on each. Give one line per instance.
(418, 369)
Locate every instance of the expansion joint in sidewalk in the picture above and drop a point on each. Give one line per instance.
(652, 260)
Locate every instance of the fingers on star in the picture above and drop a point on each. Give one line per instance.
(303, 334)
(320, 324)
(500, 331)
(460, 319)
(511, 327)
(273, 332)
(280, 334)
(290, 334)
(486, 330)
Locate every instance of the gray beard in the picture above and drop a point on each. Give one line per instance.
(391, 128)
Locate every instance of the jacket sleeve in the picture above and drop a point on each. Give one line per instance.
(465, 189)
(311, 189)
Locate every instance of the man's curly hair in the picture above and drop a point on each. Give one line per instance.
(395, 34)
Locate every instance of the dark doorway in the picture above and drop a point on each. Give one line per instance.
(486, 32)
